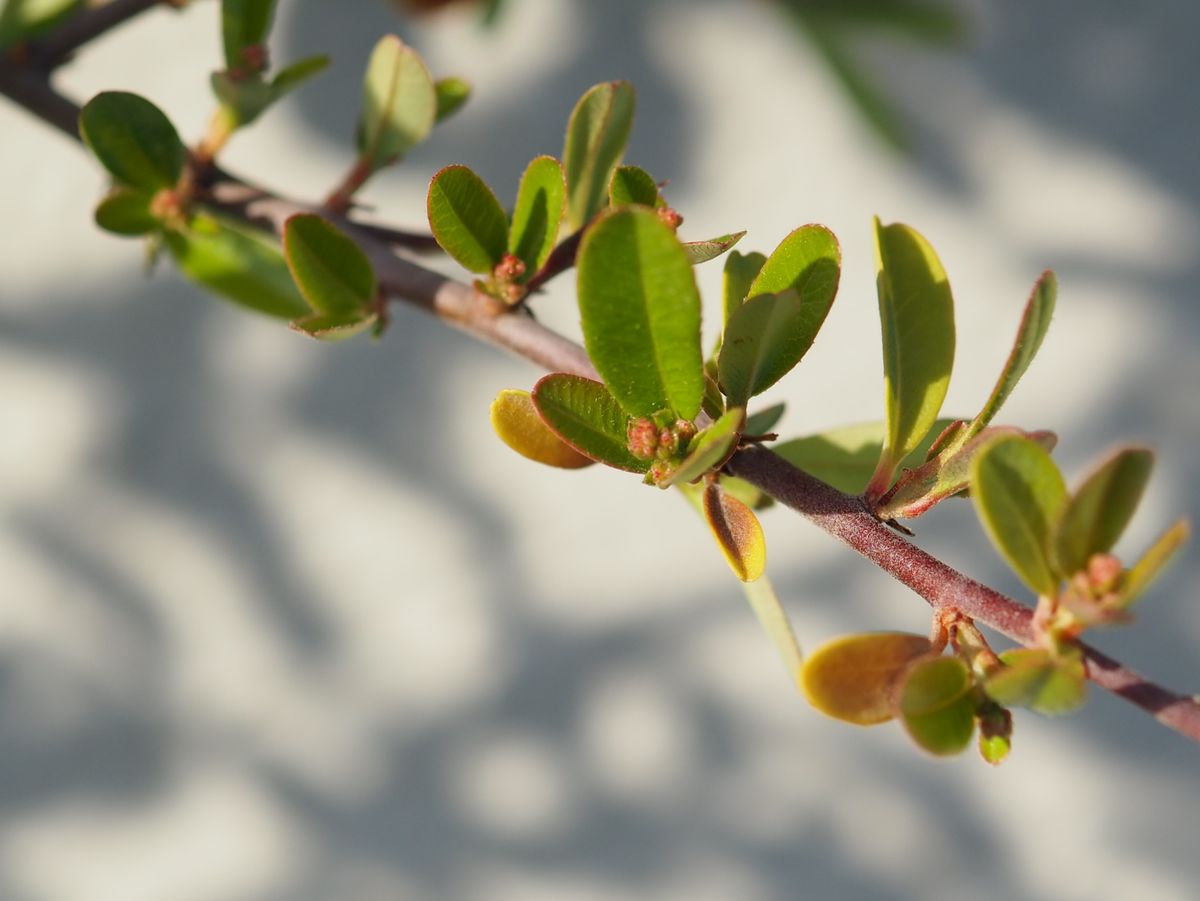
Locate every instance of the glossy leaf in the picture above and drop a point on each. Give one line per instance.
(936, 707)
(854, 678)
(239, 263)
(807, 260)
(1018, 494)
(703, 251)
(640, 313)
(333, 275)
(597, 133)
(631, 185)
(710, 448)
(587, 417)
(399, 103)
(541, 204)
(244, 24)
(764, 420)
(518, 424)
(1140, 576)
(451, 94)
(133, 140)
(1035, 322)
(916, 311)
(740, 272)
(845, 457)
(1098, 512)
(1036, 679)
(467, 219)
(125, 211)
(21, 20)
(737, 531)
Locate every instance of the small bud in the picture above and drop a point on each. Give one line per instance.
(669, 216)
(661, 469)
(668, 442)
(1103, 571)
(642, 438)
(509, 269)
(254, 60)
(686, 430)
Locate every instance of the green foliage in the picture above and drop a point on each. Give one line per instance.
(586, 416)
(518, 425)
(702, 251)
(244, 25)
(936, 706)
(597, 133)
(126, 211)
(855, 678)
(541, 205)
(1099, 510)
(631, 185)
(640, 313)
(21, 20)
(740, 272)
(333, 275)
(1039, 679)
(400, 103)
(244, 98)
(133, 140)
(1143, 573)
(467, 219)
(710, 449)
(451, 93)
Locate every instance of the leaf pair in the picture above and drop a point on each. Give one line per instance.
(471, 226)
(1047, 534)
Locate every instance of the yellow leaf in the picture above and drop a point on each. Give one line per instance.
(737, 531)
(853, 678)
(519, 426)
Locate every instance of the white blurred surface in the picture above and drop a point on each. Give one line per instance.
(284, 621)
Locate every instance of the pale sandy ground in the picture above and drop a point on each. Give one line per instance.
(284, 621)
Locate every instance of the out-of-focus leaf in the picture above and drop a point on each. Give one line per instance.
(640, 312)
(399, 103)
(452, 93)
(764, 420)
(21, 20)
(737, 531)
(521, 428)
(774, 619)
(1152, 563)
(936, 707)
(709, 449)
(541, 204)
(125, 211)
(244, 24)
(587, 417)
(467, 219)
(1018, 494)
(239, 263)
(631, 185)
(133, 140)
(597, 133)
(854, 678)
(916, 311)
(1098, 512)
(333, 275)
(1036, 679)
(703, 251)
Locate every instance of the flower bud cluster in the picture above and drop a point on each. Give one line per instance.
(659, 439)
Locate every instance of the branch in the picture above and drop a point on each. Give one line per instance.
(84, 27)
(843, 516)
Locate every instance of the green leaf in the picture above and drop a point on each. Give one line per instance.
(631, 185)
(854, 678)
(541, 204)
(1035, 322)
(1152, 563)
(124, 211)
(740, 272)
(241, 264)
(244, 24)
(245, 99)
(845, 457)
(597, 133)
(452, 93)
(916, 311)
(292, 76)
(640, 312)
(133, 140)
(1018, 494)
(467, 219)
(333, 275)
(588, 418)
(518, 424)
(936, 707)
(710, 448)
(703, 251)
(1098, 512)
(1036, 679)
(21, 20)
(737, 531)
(764, 420)
(399, 103)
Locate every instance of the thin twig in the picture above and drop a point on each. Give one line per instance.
(843, 516)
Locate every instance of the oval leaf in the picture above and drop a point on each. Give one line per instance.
(710, 449)
(399, 103)
(541, 203)
(936, 707)
(1033, 678)
(1096, 515)
(1019, 493)
(640, 312)
(125, 211)
(632, 185)
(916, 311)
(1152, 563)
(244, 24)
(239, 263)
(521, 428)
(703, 251)
(133, 140)
(854, 678)
(467, 219)
(738, 532)
(597, 133)
(587, 417)
(808, 260)
(333, 275)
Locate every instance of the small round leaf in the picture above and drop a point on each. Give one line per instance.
(854, 678)
(521, 428)
(467, 219)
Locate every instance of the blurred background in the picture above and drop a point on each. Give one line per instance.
(283, 620)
